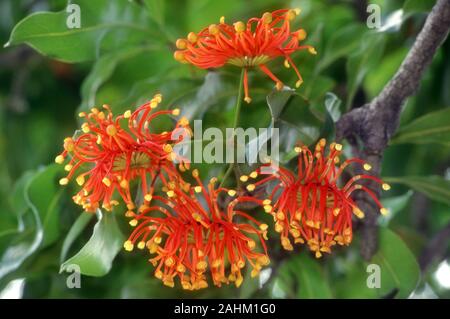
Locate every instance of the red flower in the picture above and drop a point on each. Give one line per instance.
(107, 157)
(245, 45)
(312, 206)
(188, 235)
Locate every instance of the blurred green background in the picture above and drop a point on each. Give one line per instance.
(122, 56)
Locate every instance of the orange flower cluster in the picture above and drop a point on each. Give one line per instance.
(106, 157)
(187, 237)
(190, 229)
(246, 45)
(311, 206)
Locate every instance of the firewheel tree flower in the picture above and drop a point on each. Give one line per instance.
(189, 232)
(109, 152)
(246, 45)
(312, 207)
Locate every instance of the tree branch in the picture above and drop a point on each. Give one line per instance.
(374, 123)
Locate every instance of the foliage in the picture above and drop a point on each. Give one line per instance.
(122, 56)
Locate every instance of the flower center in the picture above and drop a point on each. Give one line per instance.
(138, 160)
(249, 61)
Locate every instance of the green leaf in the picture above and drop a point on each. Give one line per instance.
(96, 257)
(105, 25)
(362, 61)
(399, 268)
(43, 195)
(103, 69)
(304, 276)
(434, 187)
(416, 6)
(394, 204)
(75, 231)
(343, 42)
(433, 127)
(156, 9)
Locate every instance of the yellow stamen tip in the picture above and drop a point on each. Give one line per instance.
(181, 44)
(106, 181)
(127, 114)
(367, 167)
(59, 159)
(63, 181)
(170, 193)
(384, 211)
(198, 189)
(248, 99)
(239, 26)
(124, 183)
(231, 192)
(82, 114)
(128, 245)
(298, 83)
(133, 222)
(297, 149)
(251, 187)
(68, 167)
(176, 112)
(85, 128)
(195, 173)
(267, 17)
(148, 197)
(301, 34)
(167, 148)
(213, 29)
(222, 19)
(312, 51)
(80, 180)
(192, 37)
(243, 178)
(279, 86)
(338, 147)
(263, 227)
(386, 186)
(111, 130)
(141, 245)
(179, 56)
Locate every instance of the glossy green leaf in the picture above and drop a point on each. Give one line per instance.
(96, 257)
(362, 61)
(434, 187)
(305, 277)
(156, 10)
(394, 205)
(105, 24)
(394, 265)
(78, 226)
(44, 194)
(344, 42)
(433, 127)
(416, 6)
(399, 268)
(103, 69)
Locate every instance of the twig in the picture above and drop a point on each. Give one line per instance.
(374, 123)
